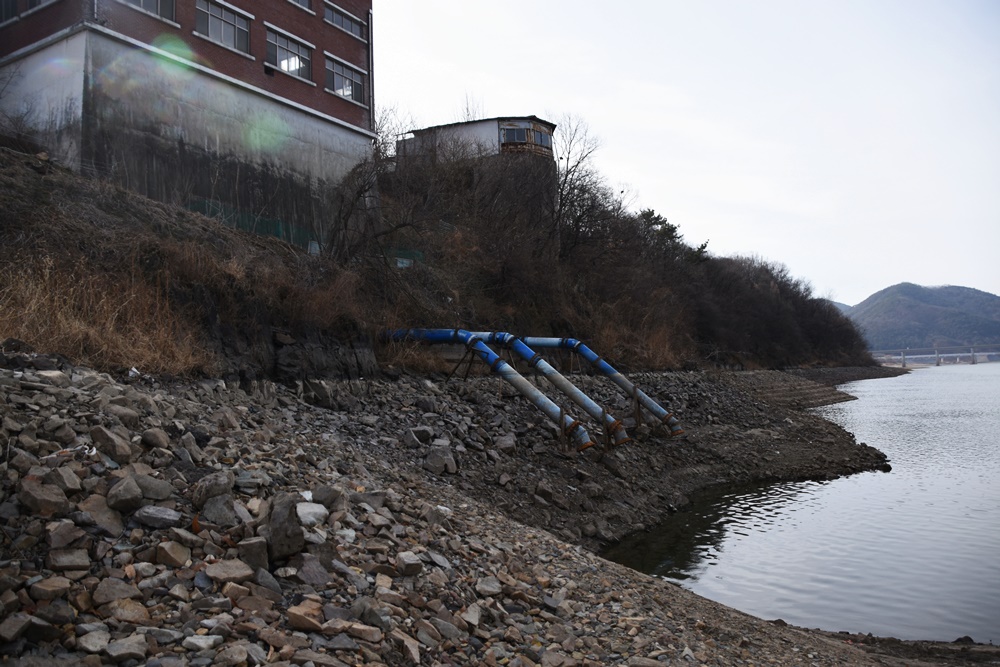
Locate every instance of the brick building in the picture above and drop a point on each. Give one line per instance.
(250, 109)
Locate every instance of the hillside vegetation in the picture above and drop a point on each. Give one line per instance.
(911, 316)
(112, 280)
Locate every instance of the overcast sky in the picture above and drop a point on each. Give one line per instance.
(857, 142)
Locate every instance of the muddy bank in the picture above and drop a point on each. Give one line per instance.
(411, 521)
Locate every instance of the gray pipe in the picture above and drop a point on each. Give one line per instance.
(511, 342)
(569, 426)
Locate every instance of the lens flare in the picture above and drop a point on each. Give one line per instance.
(265, 132)
(58, 68)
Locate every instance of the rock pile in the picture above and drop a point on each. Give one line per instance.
(148, 523)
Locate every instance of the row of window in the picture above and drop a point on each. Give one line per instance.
(8, 8)
(522, 135)
(229, 27)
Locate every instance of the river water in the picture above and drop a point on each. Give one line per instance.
(913, 554)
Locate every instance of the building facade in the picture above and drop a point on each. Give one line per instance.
(249, 109)
(490, 136)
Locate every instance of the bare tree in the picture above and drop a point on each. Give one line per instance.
(472, 109)
(18, 114)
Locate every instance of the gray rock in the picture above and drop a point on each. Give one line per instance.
(220, 511)
(155, 437)
(202, 642)
(125, 496)
(61, 534)
(418, 436)
(50, 588)
(189, 447)
(112, 444)
(447, 630)
(506, 444)
(172, 554)
(55, 378)
(408, 564)
(253, 552)
(210, 486)
(112, 589)
(489, 587)
(61, 560)
(157, 517)
(439, 461)
(226, 571)
(65, 479)
(265, 579)
(186, 537)
(544, 491)
(107, 519)
(94, 642)
(162, 635)
(125, 415)
(311, 514)
(13, 627)
(133, 647)
(43, 499)
(286, 538)
(154, 489)
(231, 656)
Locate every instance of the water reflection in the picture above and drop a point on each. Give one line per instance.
(910, 554)
(683, 547)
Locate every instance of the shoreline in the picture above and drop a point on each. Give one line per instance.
(454, 530)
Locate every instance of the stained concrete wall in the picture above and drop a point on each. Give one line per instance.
(177, 133)
(43, 93)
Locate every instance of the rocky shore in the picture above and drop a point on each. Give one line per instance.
(403, 521)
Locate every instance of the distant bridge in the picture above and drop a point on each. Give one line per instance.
(959, 354)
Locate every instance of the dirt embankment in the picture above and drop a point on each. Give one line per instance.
(412, 521)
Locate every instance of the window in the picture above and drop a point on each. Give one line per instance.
(515, 135)
(222, 25)
(31, 4)
(342, 19)
(345, 81)
(288, 55)
(543, 139)
(301, 3)
(8, 10)
(162, 8)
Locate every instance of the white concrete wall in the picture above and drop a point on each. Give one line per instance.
(483, 134)
(45, 90)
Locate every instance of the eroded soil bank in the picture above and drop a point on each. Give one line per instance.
(410, 521)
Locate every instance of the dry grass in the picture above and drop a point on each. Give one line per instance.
(98, 320)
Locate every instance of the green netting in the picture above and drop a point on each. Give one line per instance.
(233, 217)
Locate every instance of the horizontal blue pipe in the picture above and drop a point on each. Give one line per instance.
(512, 342)
(474, 343)
(606, 369)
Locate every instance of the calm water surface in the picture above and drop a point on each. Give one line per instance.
(913, 554)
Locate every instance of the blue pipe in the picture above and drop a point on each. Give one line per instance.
(512, 342)
(605, 368)
(569, 425)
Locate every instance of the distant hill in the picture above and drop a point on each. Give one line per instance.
(908, 315)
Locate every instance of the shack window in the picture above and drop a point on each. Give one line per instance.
(515, 135)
